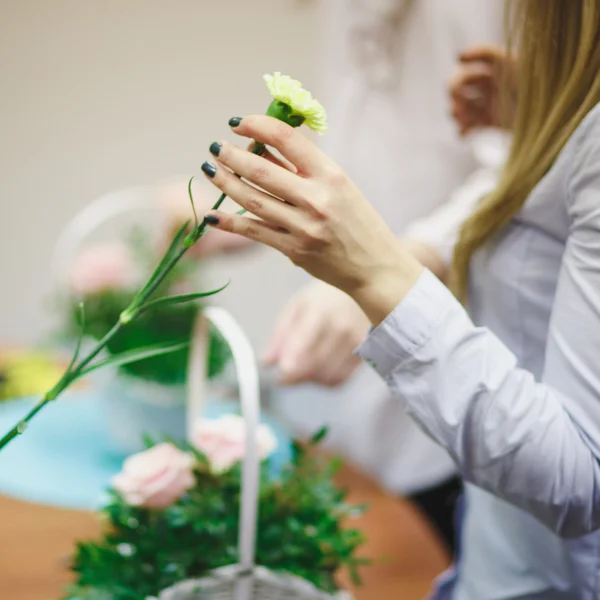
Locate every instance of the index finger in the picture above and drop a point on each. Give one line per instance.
(296, 148)
(276, 160)
(472, 76)
(488, 53)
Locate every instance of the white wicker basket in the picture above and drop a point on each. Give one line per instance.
(246, 580)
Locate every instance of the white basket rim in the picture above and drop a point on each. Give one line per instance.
(279, 582)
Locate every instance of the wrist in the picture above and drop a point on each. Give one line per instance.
(384, 287)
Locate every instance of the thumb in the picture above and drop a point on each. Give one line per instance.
(485, 53)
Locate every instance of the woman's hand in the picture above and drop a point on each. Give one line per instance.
(483, 89)
(315, 337)
(310, 210)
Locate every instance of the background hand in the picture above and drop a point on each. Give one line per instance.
(483, 89)
(315, 337)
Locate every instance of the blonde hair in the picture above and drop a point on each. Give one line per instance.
(558, 82)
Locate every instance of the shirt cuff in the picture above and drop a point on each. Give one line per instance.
(409, 326)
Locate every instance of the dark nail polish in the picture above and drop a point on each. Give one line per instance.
(235, 121)
(211, 219)
(215, 148)
(209, 169)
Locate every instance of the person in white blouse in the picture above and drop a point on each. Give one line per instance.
(386, 66)
(508, 386)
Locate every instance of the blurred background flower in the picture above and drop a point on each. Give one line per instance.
(156, 477)
(102, 267)
(223, 441)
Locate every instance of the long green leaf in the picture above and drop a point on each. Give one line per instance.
(192, 202)
(79, 337)
(318, 437)
(181, 299)
(353, 572)
(135, 355)
(165, 260)
(66, 375)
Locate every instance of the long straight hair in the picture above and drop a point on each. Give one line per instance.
(557, 45)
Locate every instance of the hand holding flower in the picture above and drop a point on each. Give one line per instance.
(316, 216)
(292, 105)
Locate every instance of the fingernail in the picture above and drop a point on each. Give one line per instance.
(215, 148)
(211, 219)
(235, 121)
(209, 169)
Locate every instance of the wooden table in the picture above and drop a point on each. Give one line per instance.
(35, 540)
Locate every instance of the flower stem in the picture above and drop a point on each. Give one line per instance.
(159, 279)
(132, 312)
(96, 350)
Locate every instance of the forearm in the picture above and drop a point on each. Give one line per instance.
(508, 433)
(383, 287)
(427, 255)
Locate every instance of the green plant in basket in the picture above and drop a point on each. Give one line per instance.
(105, 277)
(173, 515)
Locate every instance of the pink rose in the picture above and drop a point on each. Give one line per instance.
(156, 477)
(223, 440)
(102, 267)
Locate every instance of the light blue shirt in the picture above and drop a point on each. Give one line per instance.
(512, 390)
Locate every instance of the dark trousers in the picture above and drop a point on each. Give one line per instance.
(438, 504)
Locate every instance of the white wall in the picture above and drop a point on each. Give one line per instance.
(100, 95)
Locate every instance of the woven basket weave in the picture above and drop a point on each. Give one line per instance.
(266, 585)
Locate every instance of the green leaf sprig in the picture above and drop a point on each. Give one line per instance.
(141, 304)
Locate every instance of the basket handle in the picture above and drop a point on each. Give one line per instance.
(249, 391)
(93, 216)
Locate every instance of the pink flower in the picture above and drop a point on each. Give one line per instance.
(223, 440)
(102, 267)
(156, 477)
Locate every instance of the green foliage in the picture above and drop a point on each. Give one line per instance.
(162, 325)
(167, 301)
(302, 530)
(131, 356)
(166, 321)
(164, 263)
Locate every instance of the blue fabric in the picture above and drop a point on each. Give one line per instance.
(66, 457)
(445, 584)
